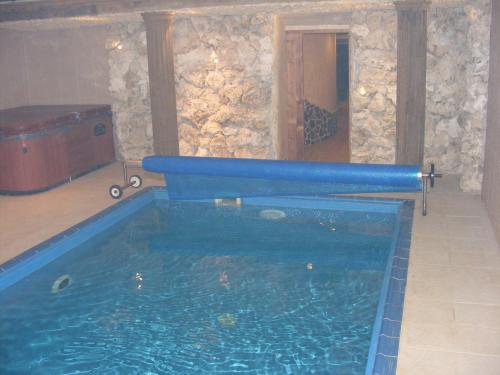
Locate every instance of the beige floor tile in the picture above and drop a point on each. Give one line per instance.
(423, 311)
(430, 289)
(413, 361)
(464, 211)
(472, 364)
(428, 243)
(431, 257)
(492, 258)
(466, 220)
(476, 314)
(493, 275)
(463, 276)
(429, 336)
(458, 230)
(469, 244)
(471, 259)
(430, 228)
(477, 293)
(431, 272)
(476, 339)
(475, 285)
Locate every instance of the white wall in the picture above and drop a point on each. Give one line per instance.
(60, 66)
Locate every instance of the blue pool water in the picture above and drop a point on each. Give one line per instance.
(189, 288)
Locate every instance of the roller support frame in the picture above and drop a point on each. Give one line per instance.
(428, 178)
(135, 181)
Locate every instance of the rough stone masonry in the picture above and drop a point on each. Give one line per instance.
(224, 83)
(223, 72)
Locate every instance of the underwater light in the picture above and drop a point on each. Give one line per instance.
(61, 283)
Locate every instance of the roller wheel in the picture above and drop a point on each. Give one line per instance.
(135, 181)
(115, 191)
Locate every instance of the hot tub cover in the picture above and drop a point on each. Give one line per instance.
(33, 119)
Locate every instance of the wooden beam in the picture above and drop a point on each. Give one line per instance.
(44, 9)
(162, 83)
(411, 81)
(295, 109)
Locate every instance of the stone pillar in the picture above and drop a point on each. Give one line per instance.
(162, 83)
(411, 84)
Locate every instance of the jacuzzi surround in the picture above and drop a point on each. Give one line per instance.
(385, 337)
(44, 146)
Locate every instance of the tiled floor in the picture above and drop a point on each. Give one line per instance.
(27, 220)
(451, 321)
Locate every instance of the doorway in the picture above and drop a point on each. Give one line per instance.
(318, 95)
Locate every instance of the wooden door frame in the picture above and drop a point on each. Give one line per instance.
(292, 124)
(295, 94)
(411, 86)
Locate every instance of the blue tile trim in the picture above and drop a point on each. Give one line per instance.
(382, 359)
(385, 337)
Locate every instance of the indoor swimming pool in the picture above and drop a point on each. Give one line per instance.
(260, 286)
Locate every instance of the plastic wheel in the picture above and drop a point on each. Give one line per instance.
(115, 191)
(135, 181)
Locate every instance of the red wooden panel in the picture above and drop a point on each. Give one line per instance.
(32, 164)
(102, 140)
(79, 149)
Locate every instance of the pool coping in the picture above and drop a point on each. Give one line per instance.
(384, 345)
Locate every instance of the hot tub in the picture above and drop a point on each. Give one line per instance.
(43, 146)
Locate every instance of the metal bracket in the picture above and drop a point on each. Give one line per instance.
(129, 163)
(426, 177)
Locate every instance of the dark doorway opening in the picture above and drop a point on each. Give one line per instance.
(318, 118)
(326, 97)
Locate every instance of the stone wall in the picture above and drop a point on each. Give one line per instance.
(373, 57)
(224, 82)
(477, 73)
(223, 72)
(129, 88)
(446, 87)
(457, 80)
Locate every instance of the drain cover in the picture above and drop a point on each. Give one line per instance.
(272, 214)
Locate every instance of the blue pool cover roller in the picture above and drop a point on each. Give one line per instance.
(204, 178)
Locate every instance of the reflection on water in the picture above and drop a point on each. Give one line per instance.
(185, 288)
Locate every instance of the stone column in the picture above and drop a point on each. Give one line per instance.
(162, 83)
(411, 85)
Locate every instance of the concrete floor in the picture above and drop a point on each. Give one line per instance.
(451, 320)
